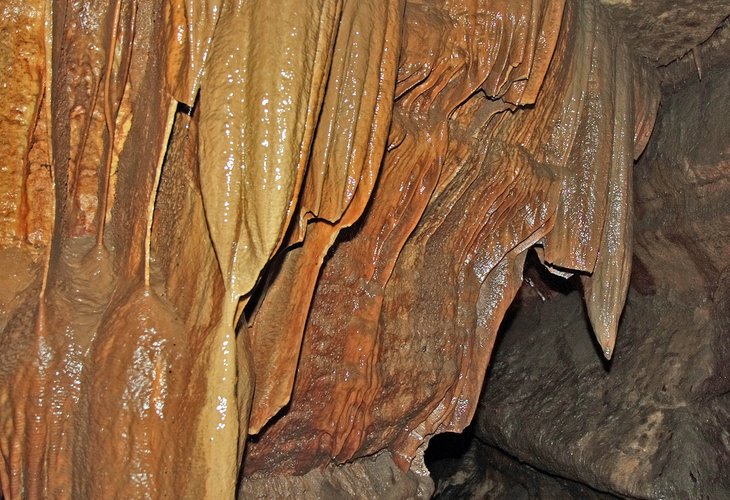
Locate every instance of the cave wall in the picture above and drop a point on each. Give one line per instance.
(652, 423)
(246, 243)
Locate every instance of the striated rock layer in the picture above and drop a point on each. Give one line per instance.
(429, 305)
(304, 223)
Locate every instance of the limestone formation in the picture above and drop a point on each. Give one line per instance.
(302, 222)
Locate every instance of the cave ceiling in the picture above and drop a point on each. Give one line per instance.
(665, 30)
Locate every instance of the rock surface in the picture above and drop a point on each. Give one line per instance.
(481, 471)
(365, 478)
(420, 285)
(303, 223)
(665, 30)
(652, 423)
(696, 64)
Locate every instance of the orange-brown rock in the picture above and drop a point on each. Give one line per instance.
(427, 301)
(347, 152)
(24, 124)
(304, 222)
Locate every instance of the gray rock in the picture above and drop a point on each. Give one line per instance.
(655, 421)
(367, 478)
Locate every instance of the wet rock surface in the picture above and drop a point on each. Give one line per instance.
(264, 246)
(420, 284)
(653, 422)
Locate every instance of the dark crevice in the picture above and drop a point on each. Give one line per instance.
(462, 466)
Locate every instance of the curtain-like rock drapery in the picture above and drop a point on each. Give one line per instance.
(305, 222)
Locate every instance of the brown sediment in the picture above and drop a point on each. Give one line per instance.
(319, 248)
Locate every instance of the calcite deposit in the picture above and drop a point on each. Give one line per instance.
(653, 424)
(246, 240)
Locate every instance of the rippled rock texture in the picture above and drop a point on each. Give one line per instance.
(653, 423)
(303, 223)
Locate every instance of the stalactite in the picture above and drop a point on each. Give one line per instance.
(347, 151)
(309, 219)
(350, 291)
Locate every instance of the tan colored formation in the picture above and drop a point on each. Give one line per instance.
(303, 222)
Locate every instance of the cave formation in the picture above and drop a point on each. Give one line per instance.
(265, 251)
